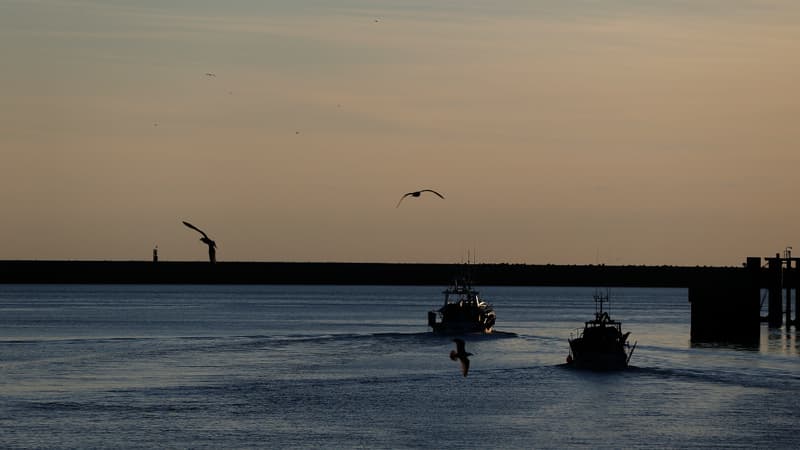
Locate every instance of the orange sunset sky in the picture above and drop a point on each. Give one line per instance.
(566, 132)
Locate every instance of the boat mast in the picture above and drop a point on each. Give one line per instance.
(599, 299)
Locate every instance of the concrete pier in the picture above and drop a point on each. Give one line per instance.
(726, 308)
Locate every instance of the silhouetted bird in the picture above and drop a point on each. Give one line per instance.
(212, 246)
(417, 194)
(461, 354)
(209, 74)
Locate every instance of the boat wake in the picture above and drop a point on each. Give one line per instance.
(721, 376)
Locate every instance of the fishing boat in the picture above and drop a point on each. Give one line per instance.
(463, 311)
(600, 345)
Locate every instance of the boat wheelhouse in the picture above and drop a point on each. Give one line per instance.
(463, 311)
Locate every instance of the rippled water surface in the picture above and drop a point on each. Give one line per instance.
(346, 366)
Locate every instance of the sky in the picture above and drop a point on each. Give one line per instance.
(559, 131)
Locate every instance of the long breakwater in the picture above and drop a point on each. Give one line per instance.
(343, 273)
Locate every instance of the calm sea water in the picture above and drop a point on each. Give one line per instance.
(344, 366)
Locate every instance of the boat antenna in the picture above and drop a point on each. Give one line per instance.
(599, 299)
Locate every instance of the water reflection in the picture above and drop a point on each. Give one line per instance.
(726, 346)
(774, 341)
(779, 341)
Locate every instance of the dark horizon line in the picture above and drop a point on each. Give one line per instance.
(473, 263)
(355, 273)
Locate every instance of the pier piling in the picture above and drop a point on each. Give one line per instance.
(781, 279)
(775, 288)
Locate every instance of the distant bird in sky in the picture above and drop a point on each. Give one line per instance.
(417, 194)
(212, 246)
(210, 74)
(461, 354)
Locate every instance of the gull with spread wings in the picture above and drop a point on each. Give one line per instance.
(417, 194)
(212, 246)
(461, 354)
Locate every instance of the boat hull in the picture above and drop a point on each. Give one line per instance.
(456, 320)
(597, 358)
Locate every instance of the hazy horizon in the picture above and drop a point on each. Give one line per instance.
(618, 132)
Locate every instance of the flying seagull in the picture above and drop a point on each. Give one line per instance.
(212, 246)
(210, 74)
(461, 354)
(417, 194)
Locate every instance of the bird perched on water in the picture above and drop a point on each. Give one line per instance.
(212, 246)
(417, 194)
(461, 354)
